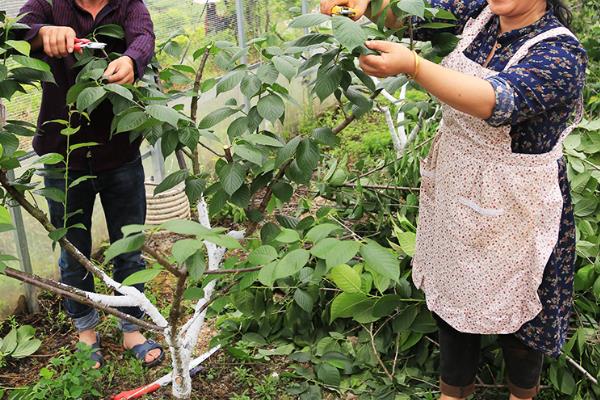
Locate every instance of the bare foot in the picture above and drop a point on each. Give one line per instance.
(132, 339)
(89, 337)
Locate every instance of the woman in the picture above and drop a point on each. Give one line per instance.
(496, 239)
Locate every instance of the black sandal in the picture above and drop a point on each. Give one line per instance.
(97, 352)
(141, 351)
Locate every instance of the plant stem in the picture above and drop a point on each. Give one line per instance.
(194, 107)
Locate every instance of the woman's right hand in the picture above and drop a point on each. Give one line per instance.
(360, 6)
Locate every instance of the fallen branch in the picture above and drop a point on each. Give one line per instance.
(83, 297)
(585, 373)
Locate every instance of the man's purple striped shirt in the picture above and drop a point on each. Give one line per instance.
(138, 44)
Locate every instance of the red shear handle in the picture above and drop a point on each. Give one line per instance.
(137, 393)
(78, 43)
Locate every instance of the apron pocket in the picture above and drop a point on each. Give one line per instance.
(475, 225)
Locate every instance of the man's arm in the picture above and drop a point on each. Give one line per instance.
(139, 35)
(55, 41)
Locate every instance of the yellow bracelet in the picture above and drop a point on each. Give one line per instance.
(415, 74)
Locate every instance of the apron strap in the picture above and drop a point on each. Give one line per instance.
(522, 53)
(524, 50)
(473, 27)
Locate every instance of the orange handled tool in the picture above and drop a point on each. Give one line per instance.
(165, 380)
(343, 11)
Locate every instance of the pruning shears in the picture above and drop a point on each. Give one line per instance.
(343, 11)
(81, 44)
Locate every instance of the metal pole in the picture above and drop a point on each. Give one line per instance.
(158, 162)
(23, 250)
(20, 235)
(241, 34)
(305, 11)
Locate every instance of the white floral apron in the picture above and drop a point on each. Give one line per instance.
(489, 218)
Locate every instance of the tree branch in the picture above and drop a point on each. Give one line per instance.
(78, 295)
(162, 260)
(380, 187)
(194, 108)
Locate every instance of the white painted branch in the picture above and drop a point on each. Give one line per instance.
(112, 301)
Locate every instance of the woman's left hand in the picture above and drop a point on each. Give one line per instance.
(394, 59)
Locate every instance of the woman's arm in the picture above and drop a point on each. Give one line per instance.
(466, 93)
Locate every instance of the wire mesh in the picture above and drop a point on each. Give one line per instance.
(182, 27)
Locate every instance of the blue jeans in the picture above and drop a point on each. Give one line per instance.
(123, 197)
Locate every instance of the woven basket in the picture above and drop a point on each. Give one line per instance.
(167, 206)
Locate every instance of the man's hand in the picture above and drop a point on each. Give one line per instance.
(57, 41)
(360, 6)
(395, 59)
(120, 71)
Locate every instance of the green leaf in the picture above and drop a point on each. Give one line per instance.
(89, 96)
(585, 277)
(50, 159)
(21, 46)
(271, 107)
(291, 264)
(381, 260)
(52, 193)
(349, 33)
(342, 252)
(110, 30)
(288, 236)
(325, 136)
(262, 255)
(58, 234)
(308, 154)
(32, 63)
(328, 374)
(283, 191)
(249, 153)
(230, 80)
(232, 177)
(311, 40)
(217, 116)
(263, 140)
(26, 348)
(125, 245)
(164, 114)
(186, 227)
(346, 278)
(5, 218)
(9, 343)
(184, 249)
(304, 300)
(266, 275)
(119, 90)
(143, 276)
(267, 73)
(308, 20)
(345, 305)
(407, 242)
(171, 181)
(413, 7)
(321, 231)
(286, 66)
(250, 86)
(131, 121)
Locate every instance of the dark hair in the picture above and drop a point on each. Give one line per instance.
(561, 11)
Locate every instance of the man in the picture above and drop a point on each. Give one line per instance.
(115, 164)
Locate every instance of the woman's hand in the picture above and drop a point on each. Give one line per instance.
(360, 6)
(394, 59)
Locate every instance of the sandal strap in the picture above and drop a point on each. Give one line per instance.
(142, 350)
